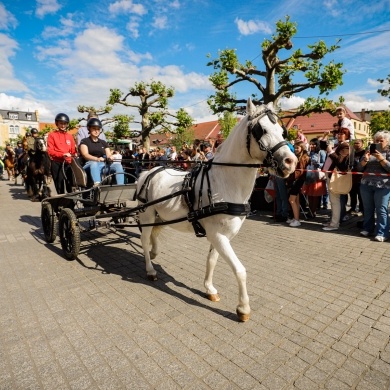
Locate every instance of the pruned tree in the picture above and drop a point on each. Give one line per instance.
(385, 91)
(281, 76)
(381, 120)
(119, 124)
(227, 121)
(152, 108)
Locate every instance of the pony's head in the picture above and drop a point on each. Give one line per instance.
(265, 140)
(40, 144)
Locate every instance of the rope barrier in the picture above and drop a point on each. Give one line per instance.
(346, 172)
(178, 162)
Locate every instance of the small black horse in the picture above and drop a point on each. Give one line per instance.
(38, 172)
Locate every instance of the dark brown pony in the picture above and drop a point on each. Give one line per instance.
(38, 172)
(9, 163)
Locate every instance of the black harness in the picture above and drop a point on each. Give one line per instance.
(201, 171)
(256, 130)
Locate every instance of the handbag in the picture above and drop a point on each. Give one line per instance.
(341, 182)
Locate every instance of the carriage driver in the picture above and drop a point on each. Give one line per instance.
(94, 150)
(60, 148)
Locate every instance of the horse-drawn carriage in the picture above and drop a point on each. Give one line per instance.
(211, 200)
(63, 214)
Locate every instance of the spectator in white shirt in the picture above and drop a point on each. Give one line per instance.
(344, 122)
(116, 157)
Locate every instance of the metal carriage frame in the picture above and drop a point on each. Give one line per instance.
(62, 215)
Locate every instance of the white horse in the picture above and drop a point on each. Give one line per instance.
(229, 179)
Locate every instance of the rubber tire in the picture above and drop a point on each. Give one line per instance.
(49, 223)
(69, 232)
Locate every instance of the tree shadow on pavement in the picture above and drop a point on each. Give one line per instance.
(129, 264)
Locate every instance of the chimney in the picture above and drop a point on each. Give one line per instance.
(37, 115)
(363, 115)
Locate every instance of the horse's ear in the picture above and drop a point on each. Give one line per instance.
(250, 107)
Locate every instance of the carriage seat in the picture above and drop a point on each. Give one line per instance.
(79, 175)
(116, 194)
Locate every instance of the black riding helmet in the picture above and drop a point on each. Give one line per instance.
(94, 122)
(34, 131)
(28, 134)
(62, 117)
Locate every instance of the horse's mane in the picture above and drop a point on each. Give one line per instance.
(24, 143)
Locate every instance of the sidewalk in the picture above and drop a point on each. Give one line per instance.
(320, 309)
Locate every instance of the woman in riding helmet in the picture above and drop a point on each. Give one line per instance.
(94, 151)
(61, 147)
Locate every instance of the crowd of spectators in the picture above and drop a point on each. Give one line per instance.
(135, 162)
(370, 169)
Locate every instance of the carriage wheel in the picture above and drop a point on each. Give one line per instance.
(49, 223)
(69, 234)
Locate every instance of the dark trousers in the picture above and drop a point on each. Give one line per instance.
(355, 195)
(62, 177)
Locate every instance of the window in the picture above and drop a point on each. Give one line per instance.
(29, 117)
(13, 116)
(16, 129)
(11, 129)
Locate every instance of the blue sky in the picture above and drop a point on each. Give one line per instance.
(58, 54)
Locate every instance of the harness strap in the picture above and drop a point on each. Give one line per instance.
(194, 216)
(146, 185)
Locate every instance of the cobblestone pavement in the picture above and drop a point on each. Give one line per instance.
(320, 309)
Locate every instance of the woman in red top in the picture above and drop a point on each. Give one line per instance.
(61, 147)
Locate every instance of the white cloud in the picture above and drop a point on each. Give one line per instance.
(46, 7)
(357, 102)
(373, 83)
(133, 27)
(8, 81)
(175, 4)
(98, 59)
(160, 22)
(67, 26)
(127, 6)
(26, 104)
(292, 102)
(136, 58)
(7, 20)
(252, 27)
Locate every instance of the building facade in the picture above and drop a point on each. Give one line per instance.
(14, 123)
(316, 124)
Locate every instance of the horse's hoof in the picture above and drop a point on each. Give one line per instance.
(242, 317)
(213, 297)
(153, 278)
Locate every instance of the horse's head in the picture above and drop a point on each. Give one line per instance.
(272, 149)
(40, 144)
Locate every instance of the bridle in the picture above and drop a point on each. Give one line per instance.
(256, 130)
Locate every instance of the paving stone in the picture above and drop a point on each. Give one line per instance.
(318, 320)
